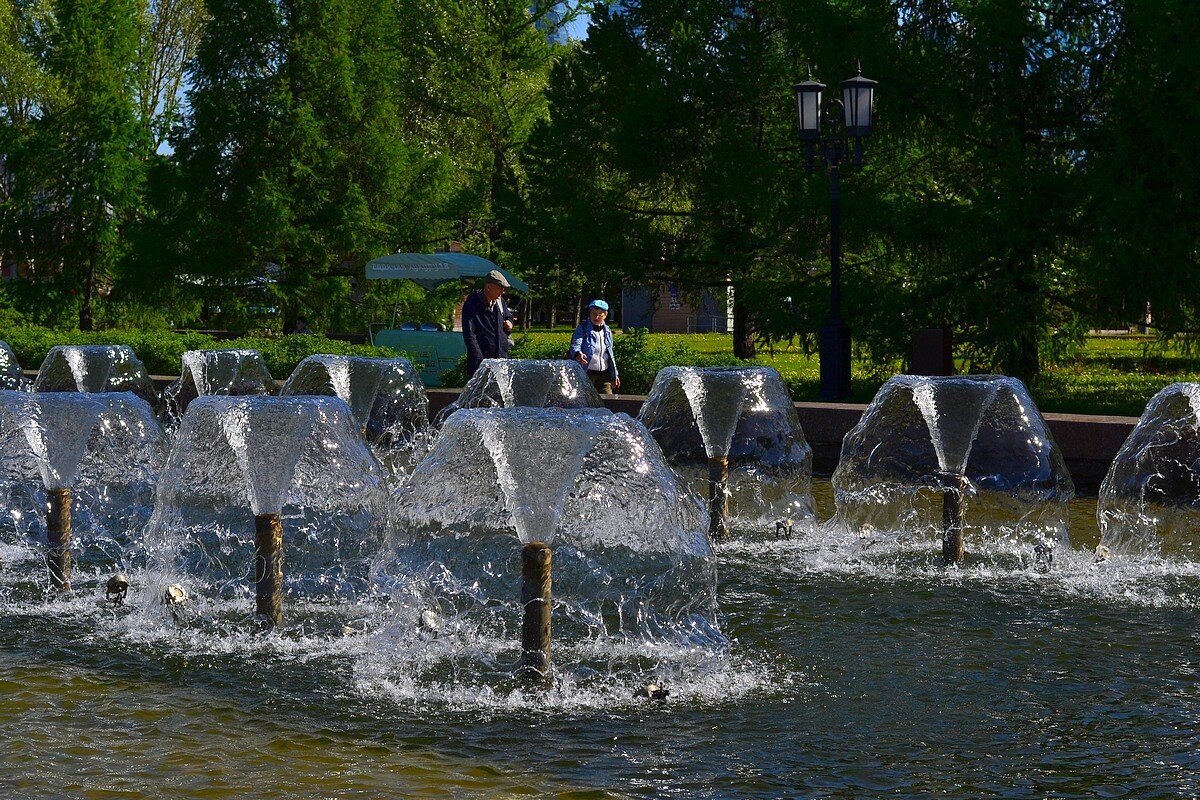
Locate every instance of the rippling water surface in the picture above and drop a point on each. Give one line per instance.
(846, 677)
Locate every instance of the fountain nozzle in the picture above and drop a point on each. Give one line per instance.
(116, 590)
(536, 601)
(953, 514)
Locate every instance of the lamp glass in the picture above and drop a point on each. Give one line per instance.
(808, 108)
(858, 94)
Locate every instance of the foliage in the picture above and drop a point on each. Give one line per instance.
(666, 153)
(1030, 175)
(77, 169)
(162, 351)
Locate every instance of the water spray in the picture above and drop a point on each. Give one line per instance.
(58, 538)
(268, 569)
(536, 602)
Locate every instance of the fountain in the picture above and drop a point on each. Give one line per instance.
(12, 377)
(97, 454)
(630, 548)
(1151, 495)
(268, 464)
(927, 449)
(385, 395)
(95, 368)
(217, 372)
(733, 432)
(418, 621)
(534, 383)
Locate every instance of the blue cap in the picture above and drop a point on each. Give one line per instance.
(600, 304)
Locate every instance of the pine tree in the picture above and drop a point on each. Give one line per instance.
(295, 154)
(77, 176)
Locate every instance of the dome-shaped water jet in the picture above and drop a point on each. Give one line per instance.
(1150, 500)
(533, 383)
(12, 378)
(217, 372)
(385, 394)
(734, 433)
(239, 462)
(928, 449)
(105, 448)
(95, 368)
(631, 555)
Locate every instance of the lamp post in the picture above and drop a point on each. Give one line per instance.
(832, 126)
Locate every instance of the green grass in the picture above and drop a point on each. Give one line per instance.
(1113, 375)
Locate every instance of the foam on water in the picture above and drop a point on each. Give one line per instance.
(743, 414)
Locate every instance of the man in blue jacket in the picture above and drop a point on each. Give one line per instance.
(592, 346)
(486, 322)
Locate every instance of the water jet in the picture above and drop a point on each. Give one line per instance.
(533, 383)
(968, 459)
(217, 372)
(251, 476)
(1149, 501)
(733, 434)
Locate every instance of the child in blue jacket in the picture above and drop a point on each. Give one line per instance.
(592, 346)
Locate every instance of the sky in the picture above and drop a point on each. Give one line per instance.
(577, 29)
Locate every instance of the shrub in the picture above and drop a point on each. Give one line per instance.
(162, 351)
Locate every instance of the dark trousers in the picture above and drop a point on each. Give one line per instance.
(602, 380)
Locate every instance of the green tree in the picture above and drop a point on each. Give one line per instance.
(667, 154)
(170, 32)
(77, 174)
(295, 158)
(1144, 174)
(475, 79)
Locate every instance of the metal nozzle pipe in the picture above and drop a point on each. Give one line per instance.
(536, 601)
(58, 538)
(268, 568)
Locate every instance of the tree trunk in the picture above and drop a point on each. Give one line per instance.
(578, 303)
(553, 318)
(1022, 359)
(743, 329)
(86, 321)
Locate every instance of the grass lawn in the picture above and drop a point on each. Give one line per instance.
(1109, 375)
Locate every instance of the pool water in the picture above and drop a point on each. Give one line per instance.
(844, 677)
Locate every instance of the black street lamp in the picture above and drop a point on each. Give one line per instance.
(832, 125)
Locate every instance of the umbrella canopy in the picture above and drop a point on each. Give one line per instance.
(432, 269)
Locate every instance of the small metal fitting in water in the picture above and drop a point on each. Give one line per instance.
(1043, 558)
(116, 590)
(1102, 554)
(652, 691)
(175, 595)
(783, 529)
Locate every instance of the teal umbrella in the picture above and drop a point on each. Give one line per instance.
(432, 269)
